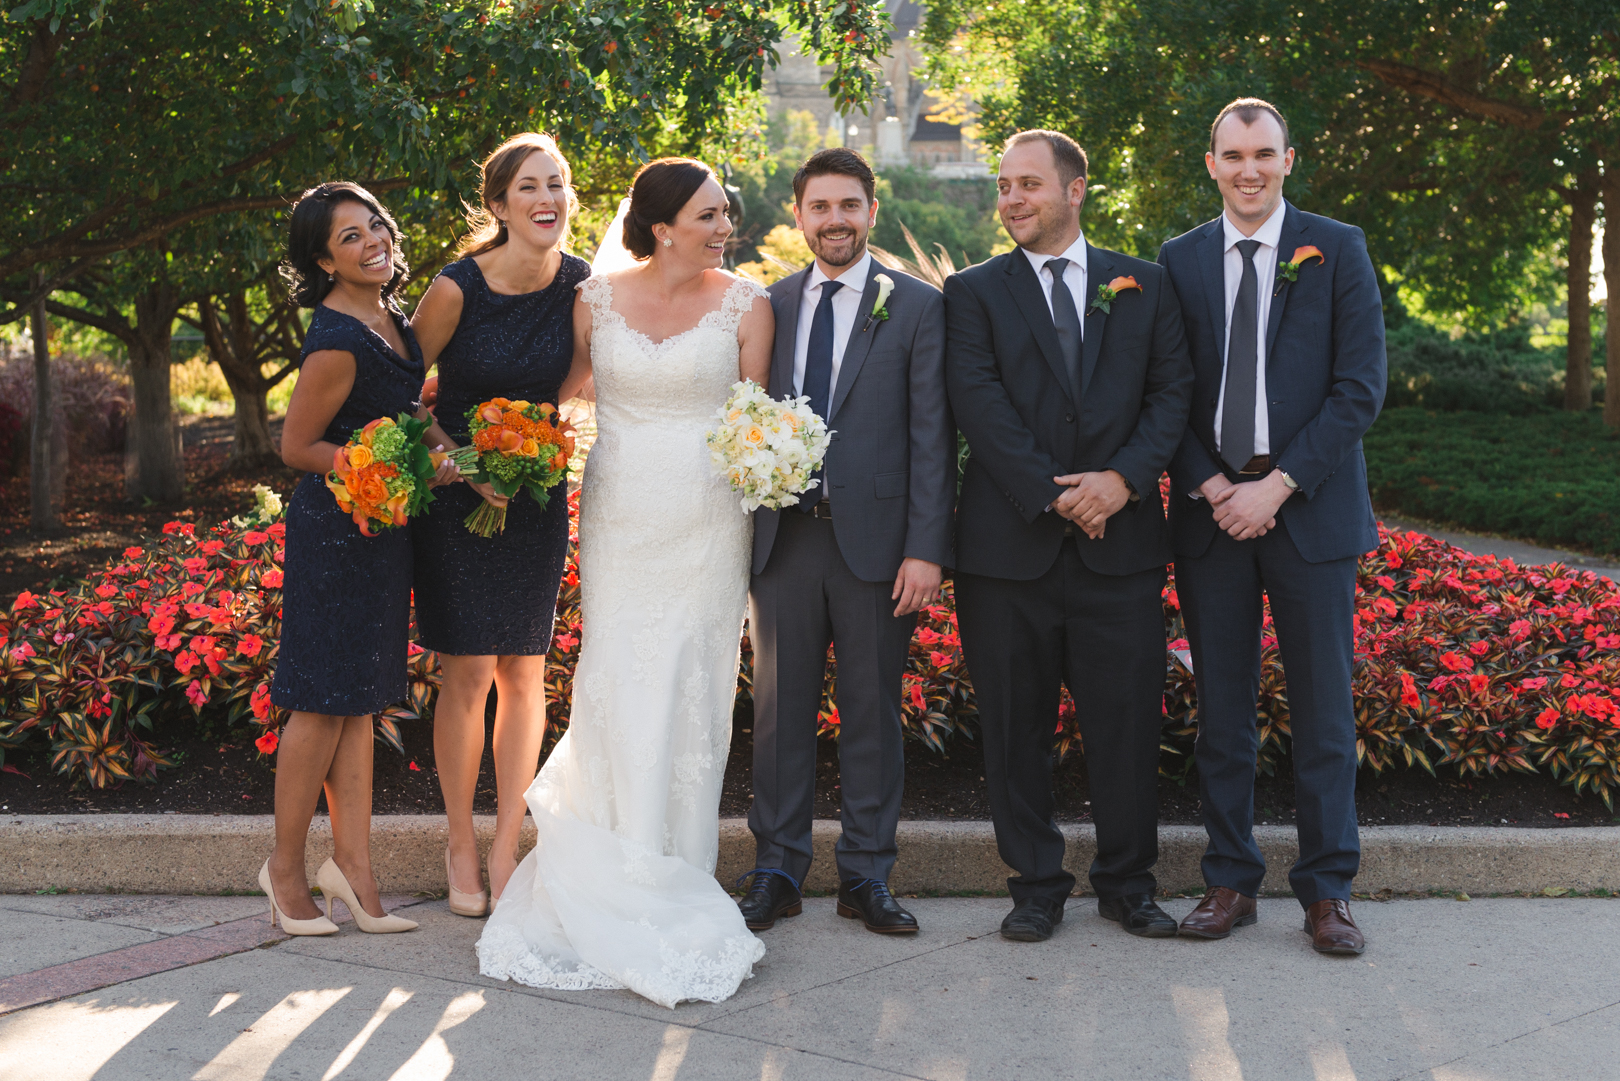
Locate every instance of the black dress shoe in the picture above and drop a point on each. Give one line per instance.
(1137, 913)
(772, 896)
(869, 900)
(1032, 920)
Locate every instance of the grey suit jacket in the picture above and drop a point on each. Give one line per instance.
(891, 465)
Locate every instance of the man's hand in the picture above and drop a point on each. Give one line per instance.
(1214, 486)
(1249, 510)
(1092, 499)
(915, 585)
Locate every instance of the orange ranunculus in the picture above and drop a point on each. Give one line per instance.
(1308, 251)
(559, 460)
(373, 489)
(508, 442)
(529, 448)
(361, 456)
(1124, 282)
(490, 414)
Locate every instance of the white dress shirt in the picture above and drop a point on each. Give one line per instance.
(1074, 275)
(846, 306)
(1265, 269)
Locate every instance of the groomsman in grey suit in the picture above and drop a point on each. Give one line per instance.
(857, 558)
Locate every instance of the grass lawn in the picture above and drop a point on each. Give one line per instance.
(1551, 477)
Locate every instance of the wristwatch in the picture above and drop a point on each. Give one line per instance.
(1293, 485)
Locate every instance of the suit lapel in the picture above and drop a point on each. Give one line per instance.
(1098, 267)
(785, 306)
(1211, 262)
(860, 340)
(1291, 237)
(1027, 293)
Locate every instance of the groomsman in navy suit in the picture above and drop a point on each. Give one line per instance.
(1269, 494)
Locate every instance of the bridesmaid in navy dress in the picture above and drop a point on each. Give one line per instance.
(498, 322)
(346, 597)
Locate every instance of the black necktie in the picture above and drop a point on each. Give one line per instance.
(1067, 321)
(818, 376)
(1242, 366)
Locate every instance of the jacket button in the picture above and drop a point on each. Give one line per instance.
(1069, 417)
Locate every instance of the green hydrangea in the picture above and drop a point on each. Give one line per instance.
(507, 469)
(388, 442)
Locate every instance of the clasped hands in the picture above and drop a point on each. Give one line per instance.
(1246, 510)
(1092, 499)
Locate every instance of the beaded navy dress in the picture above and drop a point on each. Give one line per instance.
(346, 597)
(480, 596)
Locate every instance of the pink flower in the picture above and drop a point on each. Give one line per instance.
(195, 692)
(1534, 684)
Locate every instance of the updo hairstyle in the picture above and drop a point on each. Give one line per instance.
(661, 188)
(497, 172)
(310, 231)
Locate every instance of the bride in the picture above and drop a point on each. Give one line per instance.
(619, 891)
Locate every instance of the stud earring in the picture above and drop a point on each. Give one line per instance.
(668, 242)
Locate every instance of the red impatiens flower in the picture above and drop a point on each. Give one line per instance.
(25, 599)
(196, 694)
(267, 743)
(185, 661)
(1456, 662)
(1547, 718)
(255, 537)
(271, 579)
(250, 645)
(196, 565)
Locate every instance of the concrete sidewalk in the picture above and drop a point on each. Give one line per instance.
(1490, 990)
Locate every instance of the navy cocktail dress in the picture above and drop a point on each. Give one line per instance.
(346, 597)
(480, 596)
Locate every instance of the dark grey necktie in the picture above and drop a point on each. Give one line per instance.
(1067, 321)
(1242, 366)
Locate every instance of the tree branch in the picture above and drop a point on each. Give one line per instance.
(1437, 88)
(24, 307)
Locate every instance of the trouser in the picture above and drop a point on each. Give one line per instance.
(804, 599)
(1312, 605)
(1102, 636)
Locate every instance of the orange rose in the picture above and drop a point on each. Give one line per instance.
(754, 436)
(529, 448)
(373, 489)
(361, 456)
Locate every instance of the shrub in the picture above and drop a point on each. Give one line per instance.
(94, 394)
(1500, 372)
(1461, 661)
(1553, 477)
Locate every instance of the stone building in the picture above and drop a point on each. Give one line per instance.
(898, 130)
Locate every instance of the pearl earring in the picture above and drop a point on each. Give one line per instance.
(668, 242)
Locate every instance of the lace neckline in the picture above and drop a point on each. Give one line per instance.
(714, 318)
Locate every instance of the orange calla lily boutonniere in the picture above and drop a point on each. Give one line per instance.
(1107, 294)
(1289, 271)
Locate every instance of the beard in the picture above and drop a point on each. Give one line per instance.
(838, 253)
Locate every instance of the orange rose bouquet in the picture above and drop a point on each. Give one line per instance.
(516, 445)
(381, 475)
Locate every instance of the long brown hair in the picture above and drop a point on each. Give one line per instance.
(497, 172)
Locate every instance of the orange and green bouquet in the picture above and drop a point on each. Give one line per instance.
(516, 445)
(381, 476)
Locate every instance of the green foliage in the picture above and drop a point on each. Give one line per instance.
(1549, 476)
(959, 215)
(1500, 372)
(1445, 130)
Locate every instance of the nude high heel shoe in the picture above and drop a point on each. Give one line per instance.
(330, 881)
(464, 904)
(320, 925)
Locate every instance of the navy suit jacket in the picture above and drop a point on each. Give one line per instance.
(1325, 370)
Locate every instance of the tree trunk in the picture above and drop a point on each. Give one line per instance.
(154, 466)
(1578, 352)
(1611, 280)
(47, 451)
(232, 347)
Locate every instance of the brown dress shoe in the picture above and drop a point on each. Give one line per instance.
(1331, 928)
(1220, 911)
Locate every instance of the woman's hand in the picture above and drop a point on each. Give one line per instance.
(491, 496)
(448, 472)
(430, 395)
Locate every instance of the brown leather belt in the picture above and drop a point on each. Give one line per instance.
(1259, 464)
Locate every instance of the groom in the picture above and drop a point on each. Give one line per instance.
(1069, 375)
(855, 560)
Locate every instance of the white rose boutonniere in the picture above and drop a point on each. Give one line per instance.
(885, 286)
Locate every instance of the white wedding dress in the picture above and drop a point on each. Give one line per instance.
(620, 891)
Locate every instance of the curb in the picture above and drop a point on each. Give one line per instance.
(203, 854)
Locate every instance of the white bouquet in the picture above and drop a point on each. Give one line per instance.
(768, 450)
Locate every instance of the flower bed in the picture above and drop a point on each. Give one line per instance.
(1461, 661)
